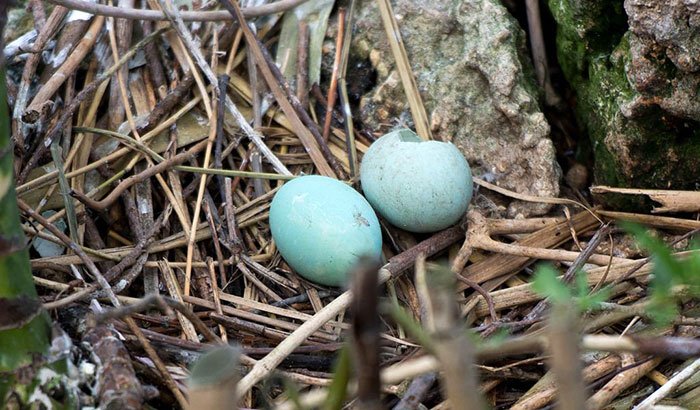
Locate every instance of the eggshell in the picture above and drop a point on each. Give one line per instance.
(419, 186)
(322, 226)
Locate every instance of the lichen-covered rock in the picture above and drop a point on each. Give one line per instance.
(474, 74)
(636, 70)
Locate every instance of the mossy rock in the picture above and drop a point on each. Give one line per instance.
(636, 92)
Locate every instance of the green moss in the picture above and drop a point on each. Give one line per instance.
(586, 30)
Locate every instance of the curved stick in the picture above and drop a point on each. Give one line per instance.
(141, 14)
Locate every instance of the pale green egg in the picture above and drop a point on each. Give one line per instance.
(419, 186)
(322, 227)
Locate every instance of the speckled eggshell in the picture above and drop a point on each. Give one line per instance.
(418, 186)
(322, 226)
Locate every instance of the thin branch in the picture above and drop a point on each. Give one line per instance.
(147, 173)
(334, 76)
(667, 388)
(140, 14)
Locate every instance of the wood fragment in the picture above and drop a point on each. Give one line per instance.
(671, 201)
(118, 386)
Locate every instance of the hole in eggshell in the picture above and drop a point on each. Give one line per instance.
(408, 136)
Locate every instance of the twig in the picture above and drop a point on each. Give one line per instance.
(48, 89)
(620, 383)
(303, 64)
(654, 221)
(480, 239)
(539, 309)
(461, 260)
(565, 362)
(416, 391)
(147, 173)
(118, 385)
(140, 14)
(115, 270)
(334, 76)
(667, 388)
(38, 14)
(52, 24)
(671, 200)
(158, 301)
(68, 112)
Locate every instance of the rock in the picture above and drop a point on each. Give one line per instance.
(474, 74)
(636, 73)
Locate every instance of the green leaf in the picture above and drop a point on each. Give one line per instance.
(661, 310)
(666, 266)
(291, 390)
(595, 299)
(410, 325)
(315, 13)
(547, 284)
(338, 389)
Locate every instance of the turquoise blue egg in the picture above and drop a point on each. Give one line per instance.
(418, 186)
(322, 226)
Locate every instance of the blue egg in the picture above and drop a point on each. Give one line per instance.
(419, 186)
(322, 226)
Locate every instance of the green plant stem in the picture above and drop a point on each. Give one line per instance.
(199, 170)
(19, 344)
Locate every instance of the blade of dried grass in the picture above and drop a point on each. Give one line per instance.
(65, 191)
(415, 102)
(175, 293)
